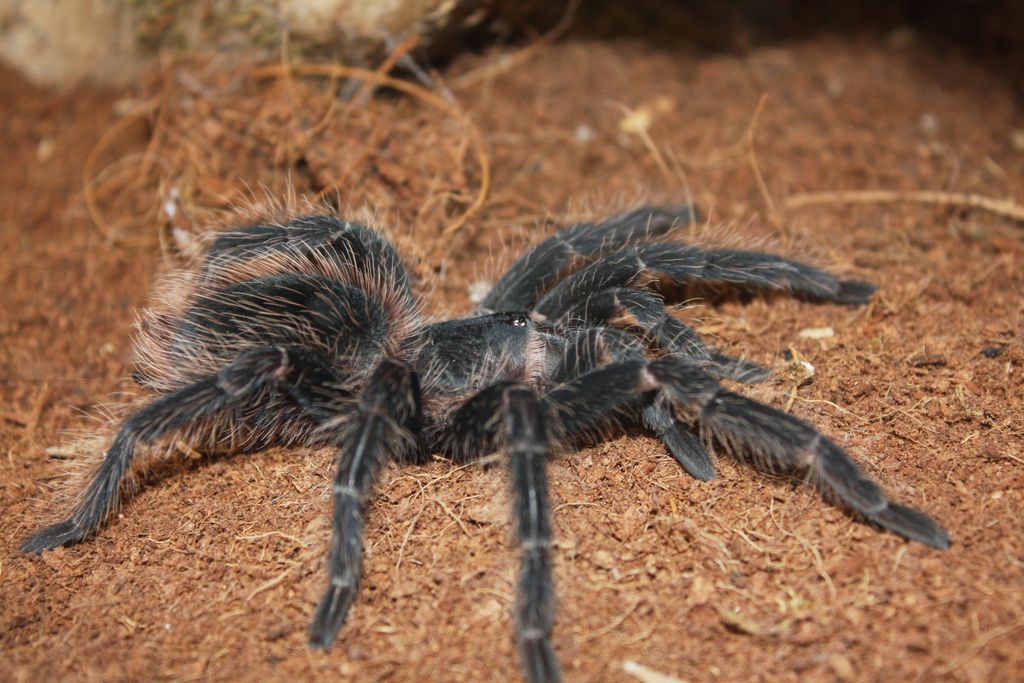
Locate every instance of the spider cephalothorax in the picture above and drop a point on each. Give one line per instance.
(309, 333)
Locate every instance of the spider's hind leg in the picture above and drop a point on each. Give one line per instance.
(296, 371)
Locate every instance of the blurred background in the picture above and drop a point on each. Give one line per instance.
(882, 140)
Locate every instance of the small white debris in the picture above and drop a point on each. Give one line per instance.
(604, 559)
(843, 668)
(808, 369)
(584, 133)
(478, 291)
(928, 122)
(125, 105)
(834, 86)
(701, 590)
(170, 209)
(648, 675)
(184, 240)
(636, 121)
(1017, 139)
(45, 150)
(816, 333)
(795, 371)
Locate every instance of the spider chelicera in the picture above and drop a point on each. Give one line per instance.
(308, 333)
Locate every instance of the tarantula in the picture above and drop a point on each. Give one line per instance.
(308, 333)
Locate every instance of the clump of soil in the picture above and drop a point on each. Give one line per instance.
(213, 570)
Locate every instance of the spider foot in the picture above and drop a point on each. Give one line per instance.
(683, 444)
(688, 451)
(539, 662)
(912, 524)
(854, 292)
(330, 615)
(54, 536)
(743, 371)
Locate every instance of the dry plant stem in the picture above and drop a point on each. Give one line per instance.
(645, 137)
(1005, 208)
(360, 157)
(647, 675)
(978, 645)
(491, 71)
(385, 67)
(773, 214)
(420, 93)
(90, 174)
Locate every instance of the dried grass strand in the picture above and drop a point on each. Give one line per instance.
(492, 71)
(417, 92)
(385, 67)
(755, 167)
(1005, 208)
(90, 174)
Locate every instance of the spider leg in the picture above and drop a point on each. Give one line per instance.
(546, 263)
(386, 421)
(339, 319)
(776, 440)
(293, 370)
(640, 266)
(681, 442)
(595, 347)
(513, 416)
(645, 312)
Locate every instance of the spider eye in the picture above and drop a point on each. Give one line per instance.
(520, 320)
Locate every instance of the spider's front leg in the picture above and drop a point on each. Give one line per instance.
(386, 424)
(513, 417)
(775, 440)
(778, 440)
(645, 314)
(681, 264)
(541, 266)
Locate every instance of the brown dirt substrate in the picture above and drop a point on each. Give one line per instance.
(213, 570)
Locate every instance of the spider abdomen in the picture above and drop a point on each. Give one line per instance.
(332, 318)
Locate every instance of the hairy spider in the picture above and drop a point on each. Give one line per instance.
(309, 333)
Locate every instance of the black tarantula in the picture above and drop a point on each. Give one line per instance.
(308, 333)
